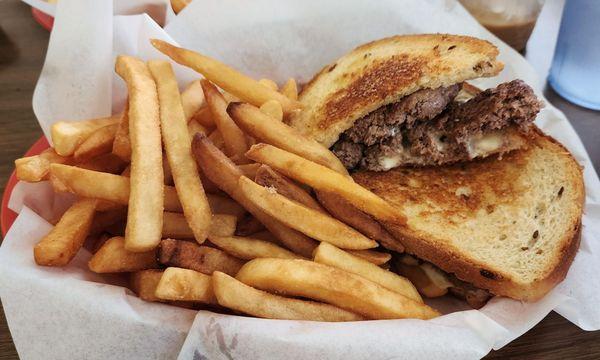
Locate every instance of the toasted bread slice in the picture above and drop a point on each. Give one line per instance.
(382, 72)
(510, 225)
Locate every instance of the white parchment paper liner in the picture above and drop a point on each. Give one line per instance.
(72, 313)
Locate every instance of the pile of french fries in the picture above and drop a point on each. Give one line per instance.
(209, 200)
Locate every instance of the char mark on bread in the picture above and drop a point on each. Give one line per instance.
(427, 128)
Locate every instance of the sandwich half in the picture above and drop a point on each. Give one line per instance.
(393, 102)
(493, 205)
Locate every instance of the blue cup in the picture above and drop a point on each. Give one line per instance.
(575, 71)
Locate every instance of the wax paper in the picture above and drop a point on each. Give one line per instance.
(72, 313)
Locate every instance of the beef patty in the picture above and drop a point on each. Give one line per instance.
(428, 128)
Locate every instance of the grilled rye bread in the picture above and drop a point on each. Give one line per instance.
(382, 72)
(393, 102)
(509, 225)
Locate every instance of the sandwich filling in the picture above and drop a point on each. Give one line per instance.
(431, 127)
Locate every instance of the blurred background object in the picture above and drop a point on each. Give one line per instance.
(510, 20)
(575, 71)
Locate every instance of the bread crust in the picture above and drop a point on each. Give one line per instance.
(381, 72)
(498, 282)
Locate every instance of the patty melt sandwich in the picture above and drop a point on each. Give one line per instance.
(493, 205)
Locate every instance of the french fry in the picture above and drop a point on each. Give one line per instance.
(222, 171)
(195, 127)
(269, 83)
(189, 255)
(121, 144)
(249, 170)
(221, 204)
(331, 285)
(67, 135)
(375, 257)
(228, 79)
(341, 209)
(143, 283)
(308, 221)
(98, 143)
(127, 171)
(179, 5)
(322, 178)
(192, 99)
(248, 225)
(262, 127)
(63, 242)
(36, 168)
(330, 255)
(238, 296)
(112, 257)
(217, 139)
(107, 163)
(290, 89)
(146, 196)
(186, 285)
(248, 248)
(176, 226)
(233, 138)
(100, 185)
(177, 145)
(204, 117)
(272, 109)
(268, 177)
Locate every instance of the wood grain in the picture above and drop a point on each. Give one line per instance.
(22, 49)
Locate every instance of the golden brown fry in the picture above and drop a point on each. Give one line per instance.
(190, 255)
(249, 170)
(268, 177)
(185, 284)
(262, 127)
(36, 168)
(121, 144)
(272, 109)
(217, 139)
(290, 89)
(107, 163)
(222, 204)
(67, 135)
(195, 127)
(204, 117)
(222, 171)
(98, 143)
(63, 242)
(331, 285)
(143, 283)
(330, 255)
(323, 178)
(176, 226)
(177, 145)
(146, 196)
(100, 185)
(112, 257)
(341, 209)
(310, 222)
(375, 257)
(192, 99)
(248, 248)
(179, 5)
(233, 138)
(228, 79)
(267, 236)
(238, 296)
(269, 83)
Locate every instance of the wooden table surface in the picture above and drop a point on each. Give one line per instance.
(22, 48)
